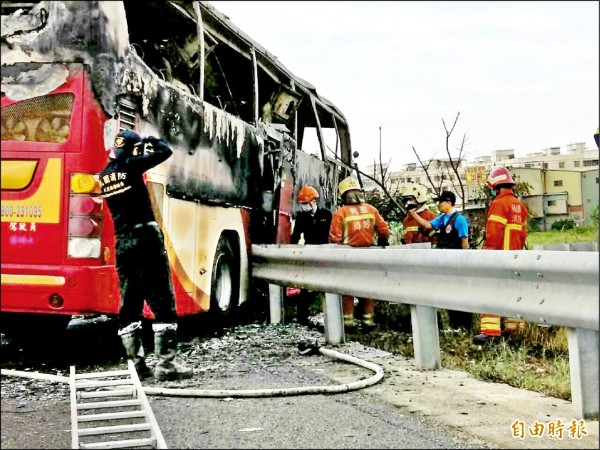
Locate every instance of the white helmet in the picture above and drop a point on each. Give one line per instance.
(417, 191)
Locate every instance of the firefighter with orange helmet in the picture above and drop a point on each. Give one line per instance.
(415, 196)
(312, 223)
(358, 224)
(505, 229)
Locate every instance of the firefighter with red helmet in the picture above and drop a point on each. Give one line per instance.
(312, 223)
(415, 196)
(505, 229)
(358, 224)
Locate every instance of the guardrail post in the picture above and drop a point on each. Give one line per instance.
(426, 340)
(583, 367)
(334, 322)
(276, 303)
(583, 352)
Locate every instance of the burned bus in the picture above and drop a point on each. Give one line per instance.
(246, 134)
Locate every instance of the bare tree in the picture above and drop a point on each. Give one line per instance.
(382, 180)
(454, 163)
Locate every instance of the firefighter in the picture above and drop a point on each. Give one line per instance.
(416, 197)
(358, 224)
(141, 257)
(505, 229)
(312, 222)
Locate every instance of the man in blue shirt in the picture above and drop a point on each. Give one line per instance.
(452, 226)
(454, 234)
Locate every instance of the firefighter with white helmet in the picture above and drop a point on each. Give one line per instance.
(312, 223)
(505, 229)
(358, 224)
(415, 196)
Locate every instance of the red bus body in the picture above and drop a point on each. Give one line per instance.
(35, 265)
(75, 73)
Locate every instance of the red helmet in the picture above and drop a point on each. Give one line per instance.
(307, 194)
(498, 176)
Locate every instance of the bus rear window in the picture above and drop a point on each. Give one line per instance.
(39, 119)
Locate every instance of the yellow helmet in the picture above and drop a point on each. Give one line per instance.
(416, 190)
(348, 184)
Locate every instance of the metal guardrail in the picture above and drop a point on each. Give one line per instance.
(549, 287)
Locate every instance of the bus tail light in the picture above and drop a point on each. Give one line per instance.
(83, 226)
(85, 217)
(85, 183)
(84, 247)
(85, 205)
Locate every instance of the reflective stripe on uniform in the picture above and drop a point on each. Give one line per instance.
(509, 227)
(511, 325)
(358, 217)
(490, 325)
(500, 219)
(409, 229)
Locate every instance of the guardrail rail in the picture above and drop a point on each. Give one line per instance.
(539, 286)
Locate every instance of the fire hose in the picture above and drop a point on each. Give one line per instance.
(303, 349)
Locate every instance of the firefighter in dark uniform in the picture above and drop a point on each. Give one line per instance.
(141, 257)
(312, 223)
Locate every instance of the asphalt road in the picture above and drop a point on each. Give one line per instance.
(407, 409)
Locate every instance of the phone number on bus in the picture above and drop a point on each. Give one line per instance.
(21, 211)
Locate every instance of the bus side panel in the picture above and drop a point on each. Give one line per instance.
(191, 237)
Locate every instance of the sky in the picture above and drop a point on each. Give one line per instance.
(522, 75)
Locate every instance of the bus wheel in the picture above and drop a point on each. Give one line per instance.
(225, 281)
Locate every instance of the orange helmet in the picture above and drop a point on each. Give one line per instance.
(307, 194)
(498, 176)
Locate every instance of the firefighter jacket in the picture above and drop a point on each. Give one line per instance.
(124, 188)
(358, 225)
(506, 226)
(413, 233)
(315, 228)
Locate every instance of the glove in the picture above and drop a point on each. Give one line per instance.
(149, 142)
(410, 206)
(382, 242)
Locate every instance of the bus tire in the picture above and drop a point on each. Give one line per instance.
(225, 283)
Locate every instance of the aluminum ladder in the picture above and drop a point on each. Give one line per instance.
(130, 423)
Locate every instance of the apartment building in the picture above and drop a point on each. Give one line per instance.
(563, 185)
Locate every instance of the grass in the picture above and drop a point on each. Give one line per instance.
(581, 234)
(536, 360)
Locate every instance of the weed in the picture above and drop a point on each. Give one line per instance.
(536, 359)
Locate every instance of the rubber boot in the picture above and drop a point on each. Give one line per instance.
(368, 315)
(131, 336)
(165, 346)
(348, 310)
